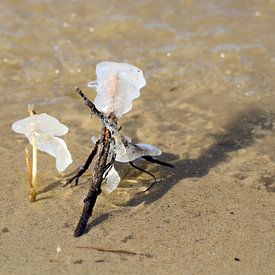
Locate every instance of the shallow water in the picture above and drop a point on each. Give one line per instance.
(207, 64)
(210, 95)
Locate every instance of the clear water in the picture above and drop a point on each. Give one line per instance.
(209, 65)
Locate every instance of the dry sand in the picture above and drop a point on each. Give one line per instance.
(206, 216)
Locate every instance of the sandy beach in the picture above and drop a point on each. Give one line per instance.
(208, 105)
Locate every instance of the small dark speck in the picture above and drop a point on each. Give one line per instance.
(232, 213)
(127, 238)
(237, 259)
(168, 205)
(147, 255)
(173, 89)
(78, 262)
(5, 230)
(99, 261)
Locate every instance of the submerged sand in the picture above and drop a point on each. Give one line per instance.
(208, 104)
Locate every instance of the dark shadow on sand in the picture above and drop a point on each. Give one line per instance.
(96, 221)
(239, 134)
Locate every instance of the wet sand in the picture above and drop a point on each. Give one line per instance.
(208, 104)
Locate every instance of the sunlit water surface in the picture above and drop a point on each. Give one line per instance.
(209, 66)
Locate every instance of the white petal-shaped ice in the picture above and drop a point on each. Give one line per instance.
(55, 147)
(41, 123)
(41, 131)
(135, 151)
(117, 85)
(112, 179)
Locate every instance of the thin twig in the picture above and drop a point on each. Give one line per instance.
(84, 167)
(120, 251)
(105, 120)
(29, 168)
(142, 170)
(157, 161)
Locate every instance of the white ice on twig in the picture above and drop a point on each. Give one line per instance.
(112, 179)
(45, 129)
(126, 151)
(136, 151)
(117, 85)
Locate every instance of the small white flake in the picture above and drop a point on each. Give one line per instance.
(65, 24)
(58, 250)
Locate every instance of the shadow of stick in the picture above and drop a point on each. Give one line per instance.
(238, 134)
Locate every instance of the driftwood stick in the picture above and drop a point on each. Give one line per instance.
(101, 153)
(95, 181)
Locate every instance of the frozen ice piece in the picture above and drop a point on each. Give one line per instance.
(55, 147)
(94, 139)
(41, 131)
(41, 123)
(117, 85)
(135, 151)
(112, 179)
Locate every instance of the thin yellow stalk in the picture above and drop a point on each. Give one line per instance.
(29, 168)
(31, 109)
(34, 170)
(32, 173)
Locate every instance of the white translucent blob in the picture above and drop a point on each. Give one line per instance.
(135, 151)
(94, 139)
(55, 147)
(125, 151)
(117, 85)
(42, 129)
(119, 147)
(40, 123)
(112, 180)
